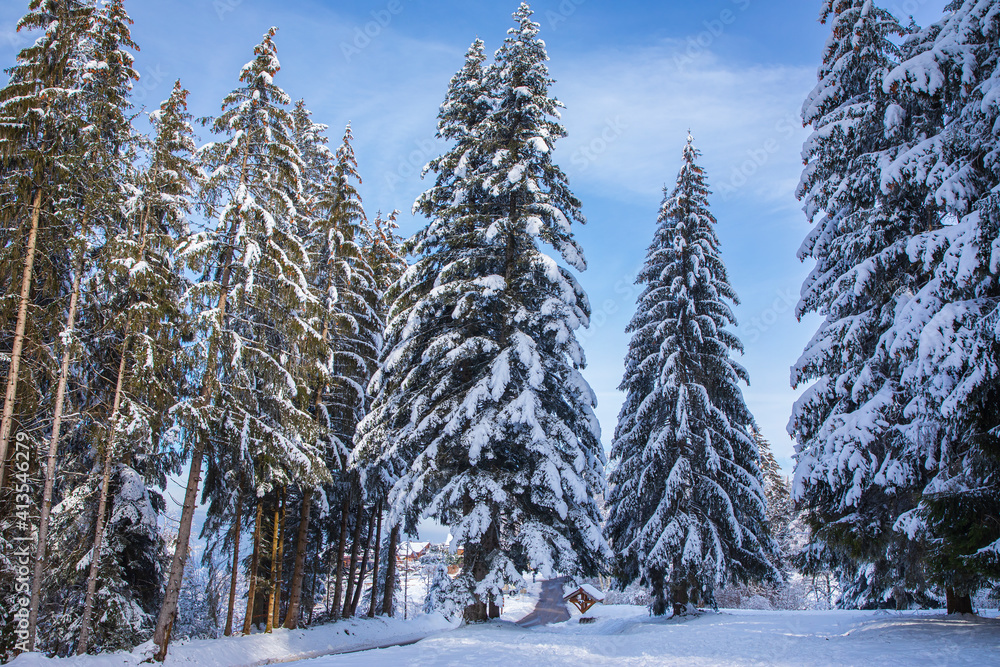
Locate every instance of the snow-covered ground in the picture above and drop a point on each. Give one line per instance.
(516, 607)
(265, 649)
(626, 635)
(622, 635)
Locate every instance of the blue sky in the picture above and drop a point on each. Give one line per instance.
(635, 76)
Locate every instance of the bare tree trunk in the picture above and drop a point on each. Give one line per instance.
(312, 589)
(274, 568)
(237, 530)
(50, 468)
(355, 543)
(364, 564)
(339, 583)
(22, 318)
(378, 545)
(475, 563)
(681, 597)
(254, 566)
(168, 608)
(298, 574)
(281, 560)
(102, 506)
(958, 603)
(390, 573)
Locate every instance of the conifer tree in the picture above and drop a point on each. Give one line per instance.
(947, 332)
(254, 301)
(854, 473)
(481, 413)
(780, 511)
(40, 124)
(138, 307)
(687, 511)
(101, 173)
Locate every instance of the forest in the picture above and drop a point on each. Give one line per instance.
(229, 316)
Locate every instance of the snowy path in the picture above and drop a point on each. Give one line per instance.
(282, 646)
(627, 636)
(550, 607)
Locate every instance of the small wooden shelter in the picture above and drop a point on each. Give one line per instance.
(585, 597)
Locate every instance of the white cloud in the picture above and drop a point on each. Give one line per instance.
(745, 120)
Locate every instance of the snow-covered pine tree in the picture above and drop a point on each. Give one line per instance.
(948, 331)
(40, 123)
(686, 501)
(480, 406)
(385, 257)
(94, 204)
(351, 332)
(135, 296)
(254, 303)
(854, 474)
(133, 316)
(780, 511)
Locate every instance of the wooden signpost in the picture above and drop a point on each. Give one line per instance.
(583, 598)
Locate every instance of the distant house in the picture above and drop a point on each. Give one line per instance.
(412, 552)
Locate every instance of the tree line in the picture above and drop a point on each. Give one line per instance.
(230, 314)
(169, 306)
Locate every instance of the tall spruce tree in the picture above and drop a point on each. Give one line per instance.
(40, 126)
(854, 473)
(686, 503)
(137, 293)
(480, 406)
(40, 123)
(948, 331)
(254, 302)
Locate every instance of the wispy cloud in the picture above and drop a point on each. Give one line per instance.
(745, 119)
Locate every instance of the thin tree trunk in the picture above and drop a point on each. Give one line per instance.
(390, 573)
(298, 574)
(22, 319)
(88, 607)
(254, 566)
(355, 543)
(339, 583)
(378, 545)
(364, 564)
(312, 588)
(274, 569)
(168, 608)
(281, 559)
(50, 468)
(237, 530)
(102, 508)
